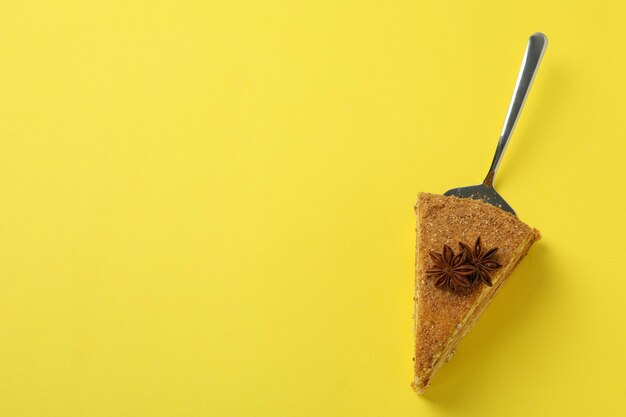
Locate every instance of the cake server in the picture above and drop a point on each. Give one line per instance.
(537, 44)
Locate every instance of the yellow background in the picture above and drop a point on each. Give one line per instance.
(206, 207)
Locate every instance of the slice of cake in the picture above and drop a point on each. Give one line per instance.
(466, 249)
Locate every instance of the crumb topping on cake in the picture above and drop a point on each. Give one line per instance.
(443, 220)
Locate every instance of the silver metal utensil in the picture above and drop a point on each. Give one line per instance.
(537, 44)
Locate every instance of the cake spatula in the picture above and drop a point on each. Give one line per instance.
(537, 44)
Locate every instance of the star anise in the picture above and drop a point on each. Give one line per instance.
(451, 270)
(482, 261)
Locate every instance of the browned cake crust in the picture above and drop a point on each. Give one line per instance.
(442, 316)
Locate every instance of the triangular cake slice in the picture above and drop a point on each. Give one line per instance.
(443, 314)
